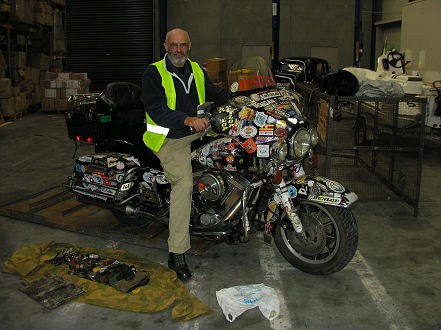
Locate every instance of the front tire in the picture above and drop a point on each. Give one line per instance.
(329, 243)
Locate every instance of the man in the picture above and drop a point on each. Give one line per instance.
(172, 89)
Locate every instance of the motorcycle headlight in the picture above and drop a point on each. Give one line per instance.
(279, 151)
(299, 143)
(313, 137)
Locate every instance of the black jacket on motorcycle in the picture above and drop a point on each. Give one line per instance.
(155, 100)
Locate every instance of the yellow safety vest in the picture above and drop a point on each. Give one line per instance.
(155, 135)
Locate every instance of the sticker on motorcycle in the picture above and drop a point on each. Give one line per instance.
(147, 176)
(255, 97)
(302, 191)
(335, 186)
(235, 130)
(248, 132)
(264, 139)
(230, 159)
(281, 133)
(111, 161)
(315, 190)
(271, 120)
(298, 171)
(325, 199)
(249, 146)
(119, 177)
(321, 186)
(271, 207)
(267, 130)
(85, 159)
(127, 186)
(210, 162)
(202, 160)
(292, 191)
(231, 146)
(269, 95)
(120, 165)
(161, 179)
(263, 150)
(260, 119)
(246, 113)
(227, 122)
(280, 124)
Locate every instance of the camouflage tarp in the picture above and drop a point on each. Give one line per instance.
(163, 290)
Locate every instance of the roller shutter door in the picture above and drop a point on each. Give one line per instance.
(111, 40)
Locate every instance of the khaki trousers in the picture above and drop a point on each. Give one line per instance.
(175, 157)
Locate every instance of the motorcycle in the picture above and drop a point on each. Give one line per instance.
(247, 168)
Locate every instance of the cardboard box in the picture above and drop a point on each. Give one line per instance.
(47, 104)
(48, 75)
(65, 93)
(61, 104)
(7, 107)
(64, 75)
(3, 65)
(15, 90)
(53, 83)
(40, 61)
(49, 92)
(57, 65)
(35, 75)
(22, 11)
(216, 76)
(35, 96)
(20, 103)
(77, 83)
(78, 76)
(217, 64)
(18, 60)
(17, 76)
(5, 88)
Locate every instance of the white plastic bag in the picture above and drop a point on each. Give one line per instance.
(237, 299)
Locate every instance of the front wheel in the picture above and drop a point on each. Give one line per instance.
(329, 241)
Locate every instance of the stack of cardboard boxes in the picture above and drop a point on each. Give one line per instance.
(16, 91)
(217, 71)
(56, 88)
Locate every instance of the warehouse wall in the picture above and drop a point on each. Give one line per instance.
(227, 28)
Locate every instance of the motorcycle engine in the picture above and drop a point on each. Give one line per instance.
(219, 192)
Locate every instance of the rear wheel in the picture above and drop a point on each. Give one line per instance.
(329, 241)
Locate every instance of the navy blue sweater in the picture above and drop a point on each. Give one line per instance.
(155, 101)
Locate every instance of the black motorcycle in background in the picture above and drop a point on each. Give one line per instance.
(247, 170)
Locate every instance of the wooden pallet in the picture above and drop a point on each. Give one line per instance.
(58, 208)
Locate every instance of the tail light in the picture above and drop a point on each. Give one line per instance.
(84, 139)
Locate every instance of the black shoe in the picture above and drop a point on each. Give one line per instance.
(177, 263)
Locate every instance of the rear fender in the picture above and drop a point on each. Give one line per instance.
(321, 190)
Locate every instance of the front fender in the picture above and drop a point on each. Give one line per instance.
(321, 190)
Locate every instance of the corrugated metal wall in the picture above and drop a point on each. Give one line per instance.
(111, 40)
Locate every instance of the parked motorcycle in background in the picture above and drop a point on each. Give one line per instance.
(247, 170)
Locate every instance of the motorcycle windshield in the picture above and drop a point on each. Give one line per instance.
(251, 74)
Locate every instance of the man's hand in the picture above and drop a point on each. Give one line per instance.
(199, 124)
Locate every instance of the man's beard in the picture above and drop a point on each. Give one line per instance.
(177, 62)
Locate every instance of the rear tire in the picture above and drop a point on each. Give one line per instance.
(330, 243)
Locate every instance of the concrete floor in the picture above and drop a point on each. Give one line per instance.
(393, 282)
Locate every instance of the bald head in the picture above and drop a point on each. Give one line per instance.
(177, 44)
(177, 33)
